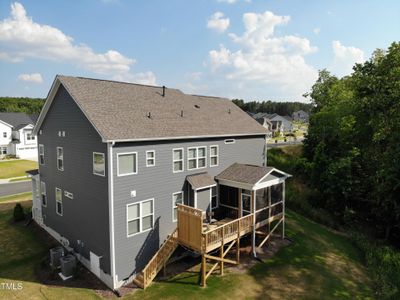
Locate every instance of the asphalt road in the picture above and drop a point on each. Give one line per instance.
(15, 188)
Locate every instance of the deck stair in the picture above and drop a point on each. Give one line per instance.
(158, 261)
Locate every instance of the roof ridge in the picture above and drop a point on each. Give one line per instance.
(116, 81)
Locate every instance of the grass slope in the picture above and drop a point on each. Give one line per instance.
(16, 168)
(320, 264)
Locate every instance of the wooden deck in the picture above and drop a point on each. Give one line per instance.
(204, 238)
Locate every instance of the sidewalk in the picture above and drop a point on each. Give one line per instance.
(8, 180)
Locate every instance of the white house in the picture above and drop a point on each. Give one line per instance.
(16, 137)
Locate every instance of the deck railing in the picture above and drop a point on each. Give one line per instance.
(227, 232)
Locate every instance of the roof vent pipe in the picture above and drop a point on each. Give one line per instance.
(149, 115)
(182, 113)
(229, 111)
(163, 91)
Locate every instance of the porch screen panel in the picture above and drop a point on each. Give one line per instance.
(228, 196)
(262, 198)
(276, 193)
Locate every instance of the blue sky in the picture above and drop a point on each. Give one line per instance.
(256, 50)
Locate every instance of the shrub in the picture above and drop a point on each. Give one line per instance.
(19, 214)
(383, 264)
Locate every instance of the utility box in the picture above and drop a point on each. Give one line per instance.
(55, 255)
(68, 265)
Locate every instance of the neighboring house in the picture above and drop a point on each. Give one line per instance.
(301, 116)
(274, 123)
(122, 166)
(16, 137)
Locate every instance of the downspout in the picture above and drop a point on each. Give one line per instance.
(254, 224)
(111, 210)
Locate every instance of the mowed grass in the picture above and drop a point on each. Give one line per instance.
(20, 253)
(17, 197)
(16, 168)
(319, 264)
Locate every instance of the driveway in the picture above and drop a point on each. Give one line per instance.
(15, 188)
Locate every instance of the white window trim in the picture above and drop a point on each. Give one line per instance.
(151, 158)
(61, 159)
(212, 156)
(140, 217)
(69, 195)
(174, 161)
(197, 157)
(216, 197)
(104, 157)
(230, 141)
(175, 206)
(62, 207)
(127, 174)
(43, 192)
(41, 154)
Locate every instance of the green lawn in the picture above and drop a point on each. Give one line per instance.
(16, 168)
(319, 264)
(17, 197)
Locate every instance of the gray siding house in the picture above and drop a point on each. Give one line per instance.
(116, 159)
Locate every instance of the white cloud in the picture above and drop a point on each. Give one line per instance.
(21, 38)
(345, 58)
(263, 58)
(218, 23)
(34, 78)
(317, 30)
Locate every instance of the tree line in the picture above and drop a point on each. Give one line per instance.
(21, 104)
(352, 149)
(281, 108)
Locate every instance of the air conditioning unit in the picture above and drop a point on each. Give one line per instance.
(68, 265)
(55, 255)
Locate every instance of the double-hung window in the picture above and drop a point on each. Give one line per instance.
(41, 154)
(59, 204)
(99, 164)
(140, 217)
(43, 193)
(197, 158)
(177, 198)
(150, 158)
(127, 163)
(213, 156)
(4, 134)
(177, 160)
(60, 158)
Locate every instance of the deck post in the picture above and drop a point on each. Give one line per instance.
(238, 245)
(221, 253)
(283, 210)
(203, 270)
(269, 209)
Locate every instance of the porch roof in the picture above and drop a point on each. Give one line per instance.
(251, 177)
(201, 180)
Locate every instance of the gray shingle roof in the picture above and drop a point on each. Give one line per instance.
(125, 111)
(244, 173)
(18, 119)
(201, 180)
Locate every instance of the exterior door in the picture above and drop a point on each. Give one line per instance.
(36, 200)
